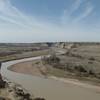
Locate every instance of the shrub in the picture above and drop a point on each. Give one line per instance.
(53, 59)
(91, 72)
(80, 68)
(39, 99)
(90, 62)
(92, 58)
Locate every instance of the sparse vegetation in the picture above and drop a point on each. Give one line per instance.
(92, 58)
(53, 59)
(80, 61)
(39, 99)
(18, 51)
(77, 61)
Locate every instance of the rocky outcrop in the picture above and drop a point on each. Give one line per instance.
(22, 94)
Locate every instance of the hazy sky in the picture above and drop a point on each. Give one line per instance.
(49, 20)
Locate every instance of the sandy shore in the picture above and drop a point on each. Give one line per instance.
(29, 67)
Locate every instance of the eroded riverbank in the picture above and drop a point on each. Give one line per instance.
(13, 91)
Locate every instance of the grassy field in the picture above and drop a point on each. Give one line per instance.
(81, 61)
(18, 51)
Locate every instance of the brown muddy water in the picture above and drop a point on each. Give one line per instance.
(48, 88)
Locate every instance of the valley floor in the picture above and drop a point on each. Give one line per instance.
(36, 68)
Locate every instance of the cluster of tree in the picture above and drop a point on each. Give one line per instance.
(79, 69)
(53, 59)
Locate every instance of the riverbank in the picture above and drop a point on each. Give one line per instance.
(36, 68)
(13, 91)
(29, 67)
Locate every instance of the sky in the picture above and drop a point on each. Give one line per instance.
(25, 21)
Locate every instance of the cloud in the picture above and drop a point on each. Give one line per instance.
(87, 11)
(11, 14)
(82, 8)
(40, 29)
(75, 6)
(66, 16)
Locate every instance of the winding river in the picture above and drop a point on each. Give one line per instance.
(48, 88)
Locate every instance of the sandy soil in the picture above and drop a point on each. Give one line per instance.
(77, 83)
(30, 67)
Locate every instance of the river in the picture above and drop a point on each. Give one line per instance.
(48, 88)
